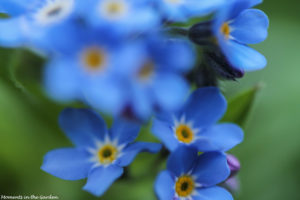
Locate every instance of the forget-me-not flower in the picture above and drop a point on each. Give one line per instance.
(193, 177)
(157, 81)
(90, 69)
(99, 154)
(195, 124)
(235, 26)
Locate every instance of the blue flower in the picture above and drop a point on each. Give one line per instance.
(120, 16)
(194, 124)
(31, 20)
(117, 76)
(157, 81)
(90, 69)
(100, 154)
(181, 10)
(193, 177)
(235, 26)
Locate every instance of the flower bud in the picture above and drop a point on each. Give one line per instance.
(201, 33)
(234, 165)
(232, 184)
(215, 59)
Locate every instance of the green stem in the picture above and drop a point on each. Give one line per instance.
(178, 31)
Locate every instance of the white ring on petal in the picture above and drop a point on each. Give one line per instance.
(53, 11)
(190, 124)
(98, 145)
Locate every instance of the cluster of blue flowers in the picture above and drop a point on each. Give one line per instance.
(131, 59)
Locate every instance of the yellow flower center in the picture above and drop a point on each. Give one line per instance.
(107, 154)
(146, 71)
(94, 59)
(184, 133)
(114, 9)
(225, 30)
(184, 186)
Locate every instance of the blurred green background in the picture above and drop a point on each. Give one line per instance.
(270, 154)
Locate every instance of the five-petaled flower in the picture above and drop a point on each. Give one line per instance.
(193, 177)
(100, 154)
(194, 124)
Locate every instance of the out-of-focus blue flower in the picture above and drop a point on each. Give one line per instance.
(100, 154)
(156, 82)
(115, 76)
(194, 125)
(120, 16)
(90, 69)
(182, 10)
(30, 21)
(235, 26)
(193, 177)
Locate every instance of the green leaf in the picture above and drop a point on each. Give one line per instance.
(20, 67)
(3, 15)
(5, 55)
(240, 106)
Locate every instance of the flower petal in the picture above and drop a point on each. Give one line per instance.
(237, 6)
(141, 20)
(173, 12)
(11, 34)
(163, 131)
(250, 27)
(170, 91)
(168, 117)
(164, 186)
(82, 126)
(229, 11)
(182, 160)
(15, 7)
(171, 49)
(195, 8)
(101, 178)
(124, 131)
(61, 80)
(221, 137)
(211, 168)
(212, 193)
(242, 56)
(68, 163)
(105, 94)
(130, 152)
(205, 106)
(142, 102)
